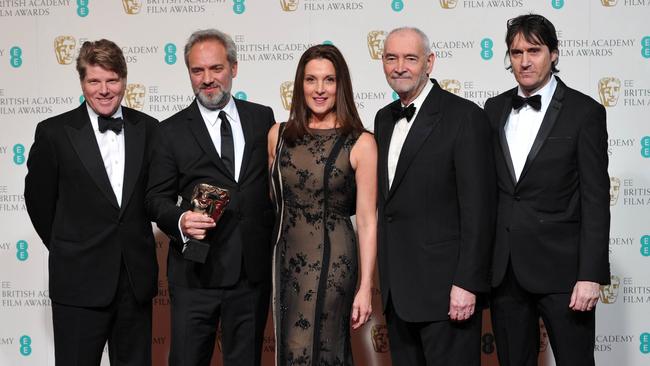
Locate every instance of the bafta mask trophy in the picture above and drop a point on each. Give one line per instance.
(212, 201)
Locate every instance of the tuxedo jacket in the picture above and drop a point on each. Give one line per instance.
(75, 212)
(436, 221)
(553, 223)
(186, 156)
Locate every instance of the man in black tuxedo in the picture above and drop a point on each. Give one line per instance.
(436, 211)
(220, 141)
(84, 190)
(551, 247)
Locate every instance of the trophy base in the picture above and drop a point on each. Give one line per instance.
(196, 251)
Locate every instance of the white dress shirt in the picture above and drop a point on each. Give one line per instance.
(111, 147)
(213, 124)
(401, 130)
(523, 124)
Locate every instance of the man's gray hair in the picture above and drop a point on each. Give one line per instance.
(426, 45)
(212, 35)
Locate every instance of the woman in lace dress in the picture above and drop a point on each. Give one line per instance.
(323, 167)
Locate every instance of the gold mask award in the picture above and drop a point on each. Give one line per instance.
(212, 201)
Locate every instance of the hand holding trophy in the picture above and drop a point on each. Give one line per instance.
(211, 201)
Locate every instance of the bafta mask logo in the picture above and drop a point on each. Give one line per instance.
(614, 188)
(451, 85)
(609, 293)
(286, 93)
(376, 41)
(543, 337)
(608, 90)
(609, 3)
(379, 334)
(134, 96)
(132, 6)
(448, 4)
(289, 5)
(64, 49)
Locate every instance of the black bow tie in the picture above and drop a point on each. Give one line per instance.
(399, 112)
(534, 102)
(108, 123)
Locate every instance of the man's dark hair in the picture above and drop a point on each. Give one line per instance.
(536, 30)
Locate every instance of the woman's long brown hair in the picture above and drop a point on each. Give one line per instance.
(347, 117)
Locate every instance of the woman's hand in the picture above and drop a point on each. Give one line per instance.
(361, 307)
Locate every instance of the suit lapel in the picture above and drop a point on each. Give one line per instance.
(134, 145)
(246, 120)
(505, 149)
(548, 122)
(425, 122)
(383, 143)
(202, 136)
(82, 137)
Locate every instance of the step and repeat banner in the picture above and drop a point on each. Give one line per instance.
(604, 52)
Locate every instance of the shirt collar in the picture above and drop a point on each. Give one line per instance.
(211, 116)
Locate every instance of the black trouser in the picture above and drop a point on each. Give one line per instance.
(440, 343)
(80, 333)
(242, 310)
(515, 322)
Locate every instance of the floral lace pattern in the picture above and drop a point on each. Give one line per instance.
(309, 311)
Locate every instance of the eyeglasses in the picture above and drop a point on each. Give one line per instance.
(534, 18)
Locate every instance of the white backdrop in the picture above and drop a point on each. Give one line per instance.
(604, 42)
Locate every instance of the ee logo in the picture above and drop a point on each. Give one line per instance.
(645, 245)
(82, 8)
(21, 250)
(487, 343)
(19, 154)
(25, 345)
(397, 5)
(486, 48)
(238, 7)
(16, 54)
(170, 54)
(241, 95)
(557, 4)
(644, 339)
(645, 47)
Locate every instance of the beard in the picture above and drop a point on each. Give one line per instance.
(212, 102)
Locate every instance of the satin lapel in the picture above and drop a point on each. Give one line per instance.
(548, 122)
(425, 122)
(505, 149)
(202, 136)
(387, 126)
(247, 126)
(134, 145)
(82, 137)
